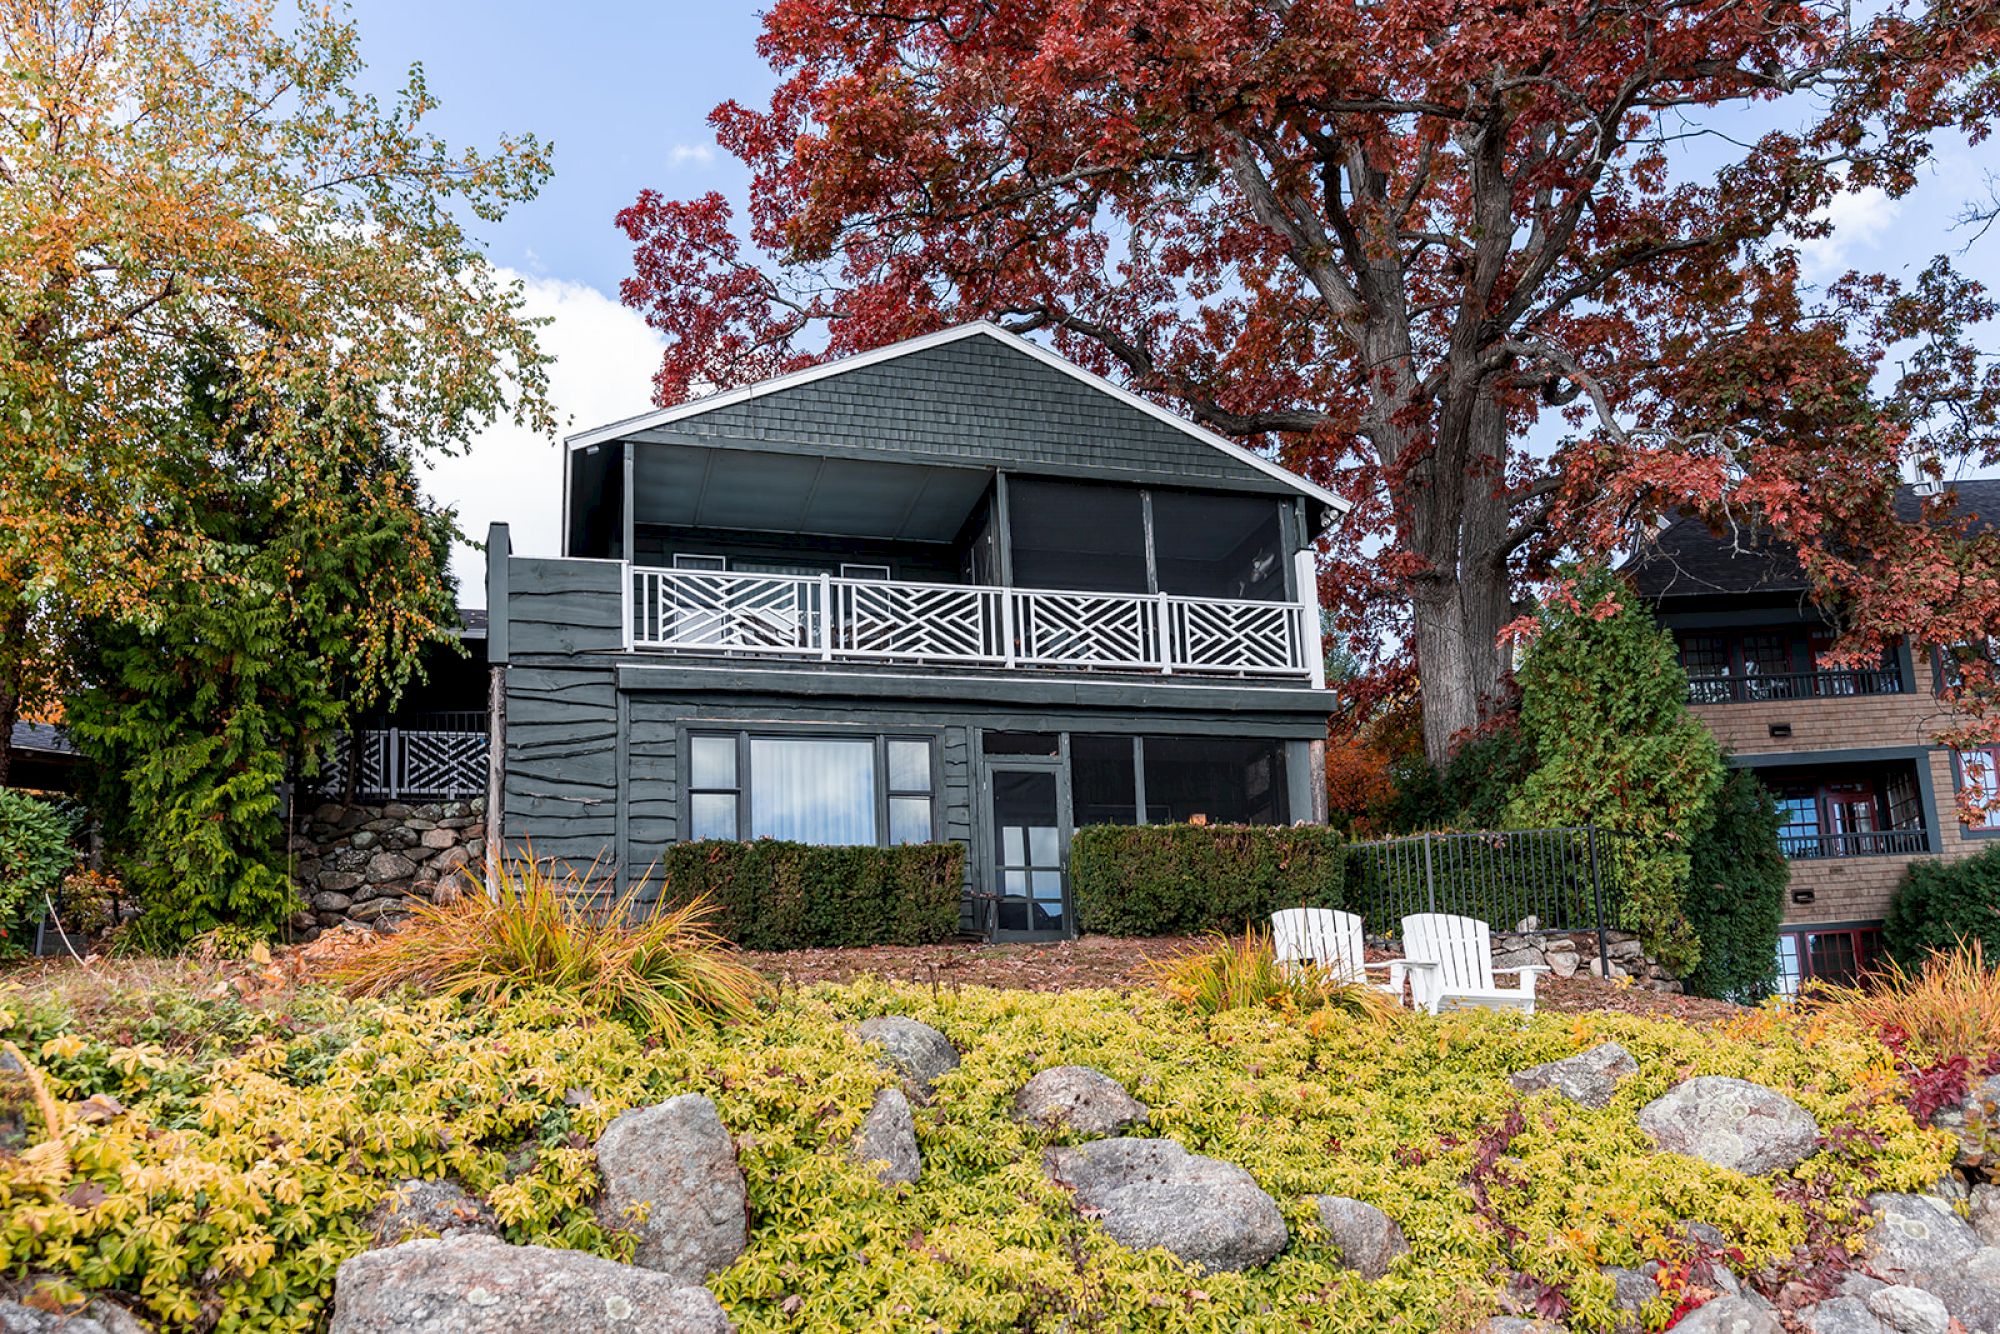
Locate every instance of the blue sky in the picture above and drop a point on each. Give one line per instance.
(623, 92)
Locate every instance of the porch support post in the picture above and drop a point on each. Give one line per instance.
(630, 525)
(499, 547)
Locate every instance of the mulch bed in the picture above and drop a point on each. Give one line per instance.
(1107, 961)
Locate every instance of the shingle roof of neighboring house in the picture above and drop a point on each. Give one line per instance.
(45, 737)
(1688, 560)
(472, 622)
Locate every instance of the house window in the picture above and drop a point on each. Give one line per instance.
(1979, 778)
(1835, 956)
(824, 790)
(1872, 815)
(714, 790)
(1952, 662)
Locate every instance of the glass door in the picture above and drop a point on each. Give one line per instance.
(1030, 849)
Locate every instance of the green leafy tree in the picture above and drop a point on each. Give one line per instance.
(34, 853)
(1604, 707)
(1737, 880)
(195, 711)
(173, 171)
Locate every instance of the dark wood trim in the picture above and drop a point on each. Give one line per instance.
(1146, 527)
(1004, 525)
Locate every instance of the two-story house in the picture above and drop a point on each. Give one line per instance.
(1847, 751)
(955, 588)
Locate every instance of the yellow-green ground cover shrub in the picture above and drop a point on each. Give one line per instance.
(252, 1143)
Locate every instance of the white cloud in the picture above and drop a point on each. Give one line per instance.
(605, 357)
(682, 154)
(1861, 219)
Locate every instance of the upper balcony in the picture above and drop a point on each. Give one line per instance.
(1756, 664)
(834, 618)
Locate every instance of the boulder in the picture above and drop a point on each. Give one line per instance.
(93, 1317)
(430, 1209)
(1985, 1209)
(912, 1049)
(1589, 1078)
(1564, 963)
(1608, 969)
(439, 839)
(1731, 1123)
(1522, 956)
(1631, 1289)
(480, 1285)
(670, 1176)
(1972, 1293)
(888, 1138)
(1916, 1238)
(1731, 1315)
(1839, 1315)
(1153, 1192)
(1080, 1099)
(1903, 1309)
(328, 901)
(1369, 1239)
(339, 882)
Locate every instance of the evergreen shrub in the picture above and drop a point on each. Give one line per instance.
(1178, 879)
(1735, 901)
(773, 895)
(34, 854)
(1941, 903)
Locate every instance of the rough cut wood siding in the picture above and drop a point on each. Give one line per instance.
(563, 607)
(1851, 889)
(974, 402)
(562, 772)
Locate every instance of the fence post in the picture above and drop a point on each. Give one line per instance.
(1597, 893)
(1430, 877)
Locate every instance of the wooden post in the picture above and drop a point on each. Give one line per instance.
(496, 772)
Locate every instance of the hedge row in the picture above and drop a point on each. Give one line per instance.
(773, 895)
(1161, 880)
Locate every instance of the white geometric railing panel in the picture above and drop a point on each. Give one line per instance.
(829, 618)
(398, 763)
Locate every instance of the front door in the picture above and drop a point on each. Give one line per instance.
(1029, 818)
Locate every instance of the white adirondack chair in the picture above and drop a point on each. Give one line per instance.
(1332, 940)
(1460, 952)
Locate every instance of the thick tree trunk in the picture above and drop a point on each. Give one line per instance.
(1459, 520)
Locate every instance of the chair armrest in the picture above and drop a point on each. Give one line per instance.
(1527, 968)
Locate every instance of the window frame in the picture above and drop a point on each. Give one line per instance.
(1991, 827)
(1795, 948)
(744, 733)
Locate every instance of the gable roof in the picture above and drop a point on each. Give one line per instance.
(1687, 560)
(971, 395)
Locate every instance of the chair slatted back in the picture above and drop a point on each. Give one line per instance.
(1321, 936)
(1461, 947)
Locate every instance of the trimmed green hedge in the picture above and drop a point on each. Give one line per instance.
(1941, 903)
(772, 895)
(1177, 879)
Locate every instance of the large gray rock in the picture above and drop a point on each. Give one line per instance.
(1917, 1238)
(1731, 1123)
(1589, 1078)
(1080, 1099)
(1369, 1239)
(1153, 1192)
(1632, 1289)
(1730, 1315)
(888, 1139)
(1972, 1293)
(912, 1049)
(1907, 1310)
(1839, 1315)
(480, 1285)
(429, 1209)
(92, 1317)
(670, 1175)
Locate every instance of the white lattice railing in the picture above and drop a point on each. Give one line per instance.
(436, 760)
(830, 618)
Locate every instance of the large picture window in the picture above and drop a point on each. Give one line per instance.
(827, 790)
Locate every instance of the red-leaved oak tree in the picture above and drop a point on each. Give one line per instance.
(1514, 277)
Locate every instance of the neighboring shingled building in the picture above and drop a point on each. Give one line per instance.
(1847, 751)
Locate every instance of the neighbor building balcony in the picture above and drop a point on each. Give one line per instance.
(1760, 664)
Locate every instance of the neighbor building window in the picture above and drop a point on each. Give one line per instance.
(811, 789)
(1979, 777)
(1838, 956)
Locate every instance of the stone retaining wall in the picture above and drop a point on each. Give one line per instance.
(365, 864)
(1567, 953)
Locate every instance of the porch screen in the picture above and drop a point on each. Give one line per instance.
(812, 789)
(1072, 535)
(1211, 546)
(1222, 779)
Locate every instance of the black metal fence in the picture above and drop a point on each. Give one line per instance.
(1559, 879)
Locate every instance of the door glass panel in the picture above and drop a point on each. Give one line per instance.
(1028, 837)
(1021, 743)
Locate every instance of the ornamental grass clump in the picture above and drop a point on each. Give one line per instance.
(664, 969)
(1946, 1009)
(1238, 972)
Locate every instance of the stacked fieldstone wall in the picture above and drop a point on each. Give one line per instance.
(367, 864)
(1567, 953)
